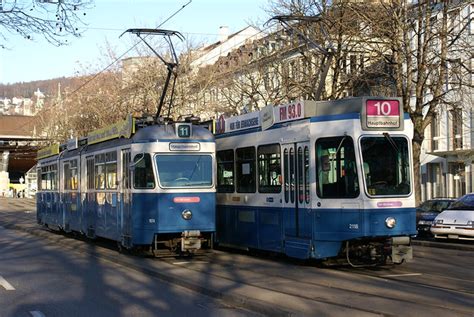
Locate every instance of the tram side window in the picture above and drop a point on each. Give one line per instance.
(70, 175)
(105, 170)
(269, 168)
(54, 176)
(336, 168)
(245, 171)
(143, 172)
(49, 177)
(90, 172)
(111, 169)
(38, 179)
(225, 171)
(99, 171)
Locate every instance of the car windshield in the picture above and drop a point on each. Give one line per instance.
(434, 205)
(386, 165)
(184, 170)
(465, 202)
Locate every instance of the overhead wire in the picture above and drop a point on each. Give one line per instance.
(238, 44)
(115, 60)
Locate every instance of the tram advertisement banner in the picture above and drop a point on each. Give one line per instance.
(48, 151)
(124, 128)
(282, 113)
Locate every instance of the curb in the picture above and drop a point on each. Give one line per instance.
(443, 245)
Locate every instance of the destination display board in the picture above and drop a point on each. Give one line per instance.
(382, 114)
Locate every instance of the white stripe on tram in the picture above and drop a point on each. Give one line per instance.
(37, 313)
(5, 284)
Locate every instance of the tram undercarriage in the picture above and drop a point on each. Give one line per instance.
(393, 250)
(190, 242)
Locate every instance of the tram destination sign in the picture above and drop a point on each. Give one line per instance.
(177, 146)
(382, 114)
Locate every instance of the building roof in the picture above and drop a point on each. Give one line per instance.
(208, 55)
(16, 126)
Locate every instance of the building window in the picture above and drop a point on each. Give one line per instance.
(456, 118)
(353, 64)
(435, 132)
(436, 178)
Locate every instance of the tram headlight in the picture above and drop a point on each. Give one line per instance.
(390, 222)
(187, 214)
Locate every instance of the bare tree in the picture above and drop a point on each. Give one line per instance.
(427, 48)
(420, 52)
(54, 20)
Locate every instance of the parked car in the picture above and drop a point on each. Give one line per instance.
(427, 212)
(456, 222)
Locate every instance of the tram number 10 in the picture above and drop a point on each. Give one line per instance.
(382, 108)
(383, 114)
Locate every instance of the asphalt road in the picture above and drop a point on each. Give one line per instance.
(93, 274)
(44, 279)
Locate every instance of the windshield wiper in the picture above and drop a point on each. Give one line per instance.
(195, 167)
(391, 141)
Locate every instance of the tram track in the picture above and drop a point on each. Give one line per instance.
(334, 288)
(304, 284)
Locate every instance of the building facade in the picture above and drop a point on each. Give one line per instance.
(447, 160)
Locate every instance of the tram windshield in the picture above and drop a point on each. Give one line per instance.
(184, 170)
(386, 165)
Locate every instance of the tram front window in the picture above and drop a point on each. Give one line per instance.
(184, 170)
(386, 165)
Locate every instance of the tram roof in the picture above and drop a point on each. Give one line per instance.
(150, 133)
(298, 110)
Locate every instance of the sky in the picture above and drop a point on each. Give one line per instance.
(25, 60)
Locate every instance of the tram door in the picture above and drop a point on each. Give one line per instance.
(126, 217)
(296, 190)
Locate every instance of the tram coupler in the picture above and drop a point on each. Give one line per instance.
(402, 250)
(190, 240)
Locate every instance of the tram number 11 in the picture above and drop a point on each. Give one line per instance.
(184, 131)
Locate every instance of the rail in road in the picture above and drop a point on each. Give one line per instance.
(438, 281)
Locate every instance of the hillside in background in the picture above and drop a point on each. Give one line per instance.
(47, 87)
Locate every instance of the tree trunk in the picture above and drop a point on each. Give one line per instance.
(416, 144)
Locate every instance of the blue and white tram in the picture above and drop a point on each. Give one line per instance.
(153, 188)
(318, 180)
